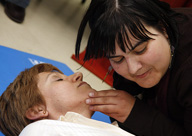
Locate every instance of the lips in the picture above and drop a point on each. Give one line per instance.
(82, 83)
(144, 74)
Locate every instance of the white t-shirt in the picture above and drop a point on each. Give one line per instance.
(72, 124)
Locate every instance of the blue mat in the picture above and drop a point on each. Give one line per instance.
(12, 62)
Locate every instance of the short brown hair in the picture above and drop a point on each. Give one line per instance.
(19, 96)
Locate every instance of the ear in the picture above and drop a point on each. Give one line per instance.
(36, 112)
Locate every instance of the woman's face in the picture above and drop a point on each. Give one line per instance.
(147, 63)
(64, 93)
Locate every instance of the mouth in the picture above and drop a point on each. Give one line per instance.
(144, 74)
(82, 83)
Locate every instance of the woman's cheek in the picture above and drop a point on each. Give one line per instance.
(119, 68)
(114, 65)
(151, 56)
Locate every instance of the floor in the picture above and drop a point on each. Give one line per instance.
(49, 30)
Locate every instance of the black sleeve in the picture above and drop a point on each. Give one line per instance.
(143, 119)
(184, 95)
(146, 121)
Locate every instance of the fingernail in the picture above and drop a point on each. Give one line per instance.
(91, 94)
(88, 101)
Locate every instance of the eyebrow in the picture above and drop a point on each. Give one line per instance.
(49, 75)
(110, 57)
(137, 44)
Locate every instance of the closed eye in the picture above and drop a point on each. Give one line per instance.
(117, 59)
(60, 79)
(141, 51)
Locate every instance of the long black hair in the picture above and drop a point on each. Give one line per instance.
(110, 21)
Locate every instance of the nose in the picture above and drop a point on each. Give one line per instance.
(78, 76)
(133, 64)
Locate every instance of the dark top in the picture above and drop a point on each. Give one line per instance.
(165, 109)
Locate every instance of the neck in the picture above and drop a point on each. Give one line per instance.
(86, 113)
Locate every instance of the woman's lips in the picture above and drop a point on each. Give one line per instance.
(144, 74)
(82, 83)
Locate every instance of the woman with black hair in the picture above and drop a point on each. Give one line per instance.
(149, 45)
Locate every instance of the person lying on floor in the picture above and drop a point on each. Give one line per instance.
(44, 101)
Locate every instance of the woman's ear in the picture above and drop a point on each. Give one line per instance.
(36, 112)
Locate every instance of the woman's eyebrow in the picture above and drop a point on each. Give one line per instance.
(50, 75)
(113, 56)
(137, 44)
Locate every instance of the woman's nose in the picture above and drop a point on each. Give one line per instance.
(78, 76)
(133, 64)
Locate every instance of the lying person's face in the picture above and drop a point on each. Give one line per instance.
(64, 93)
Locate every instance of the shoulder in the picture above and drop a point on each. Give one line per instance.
(50, 128)
(183, 10)
(62, 128)
(183, 50)
(181, 82)
(184, 21)
(43, 127)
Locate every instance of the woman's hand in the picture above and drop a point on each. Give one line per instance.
(114, 103)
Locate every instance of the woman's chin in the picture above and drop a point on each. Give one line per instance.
(148, 84)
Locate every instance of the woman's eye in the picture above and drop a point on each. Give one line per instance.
(140, 51)
(60, 79)
(141, 48)
(118, 61)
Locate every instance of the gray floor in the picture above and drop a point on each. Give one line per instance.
(49, 30)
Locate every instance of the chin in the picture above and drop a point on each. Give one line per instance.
(148, 84)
